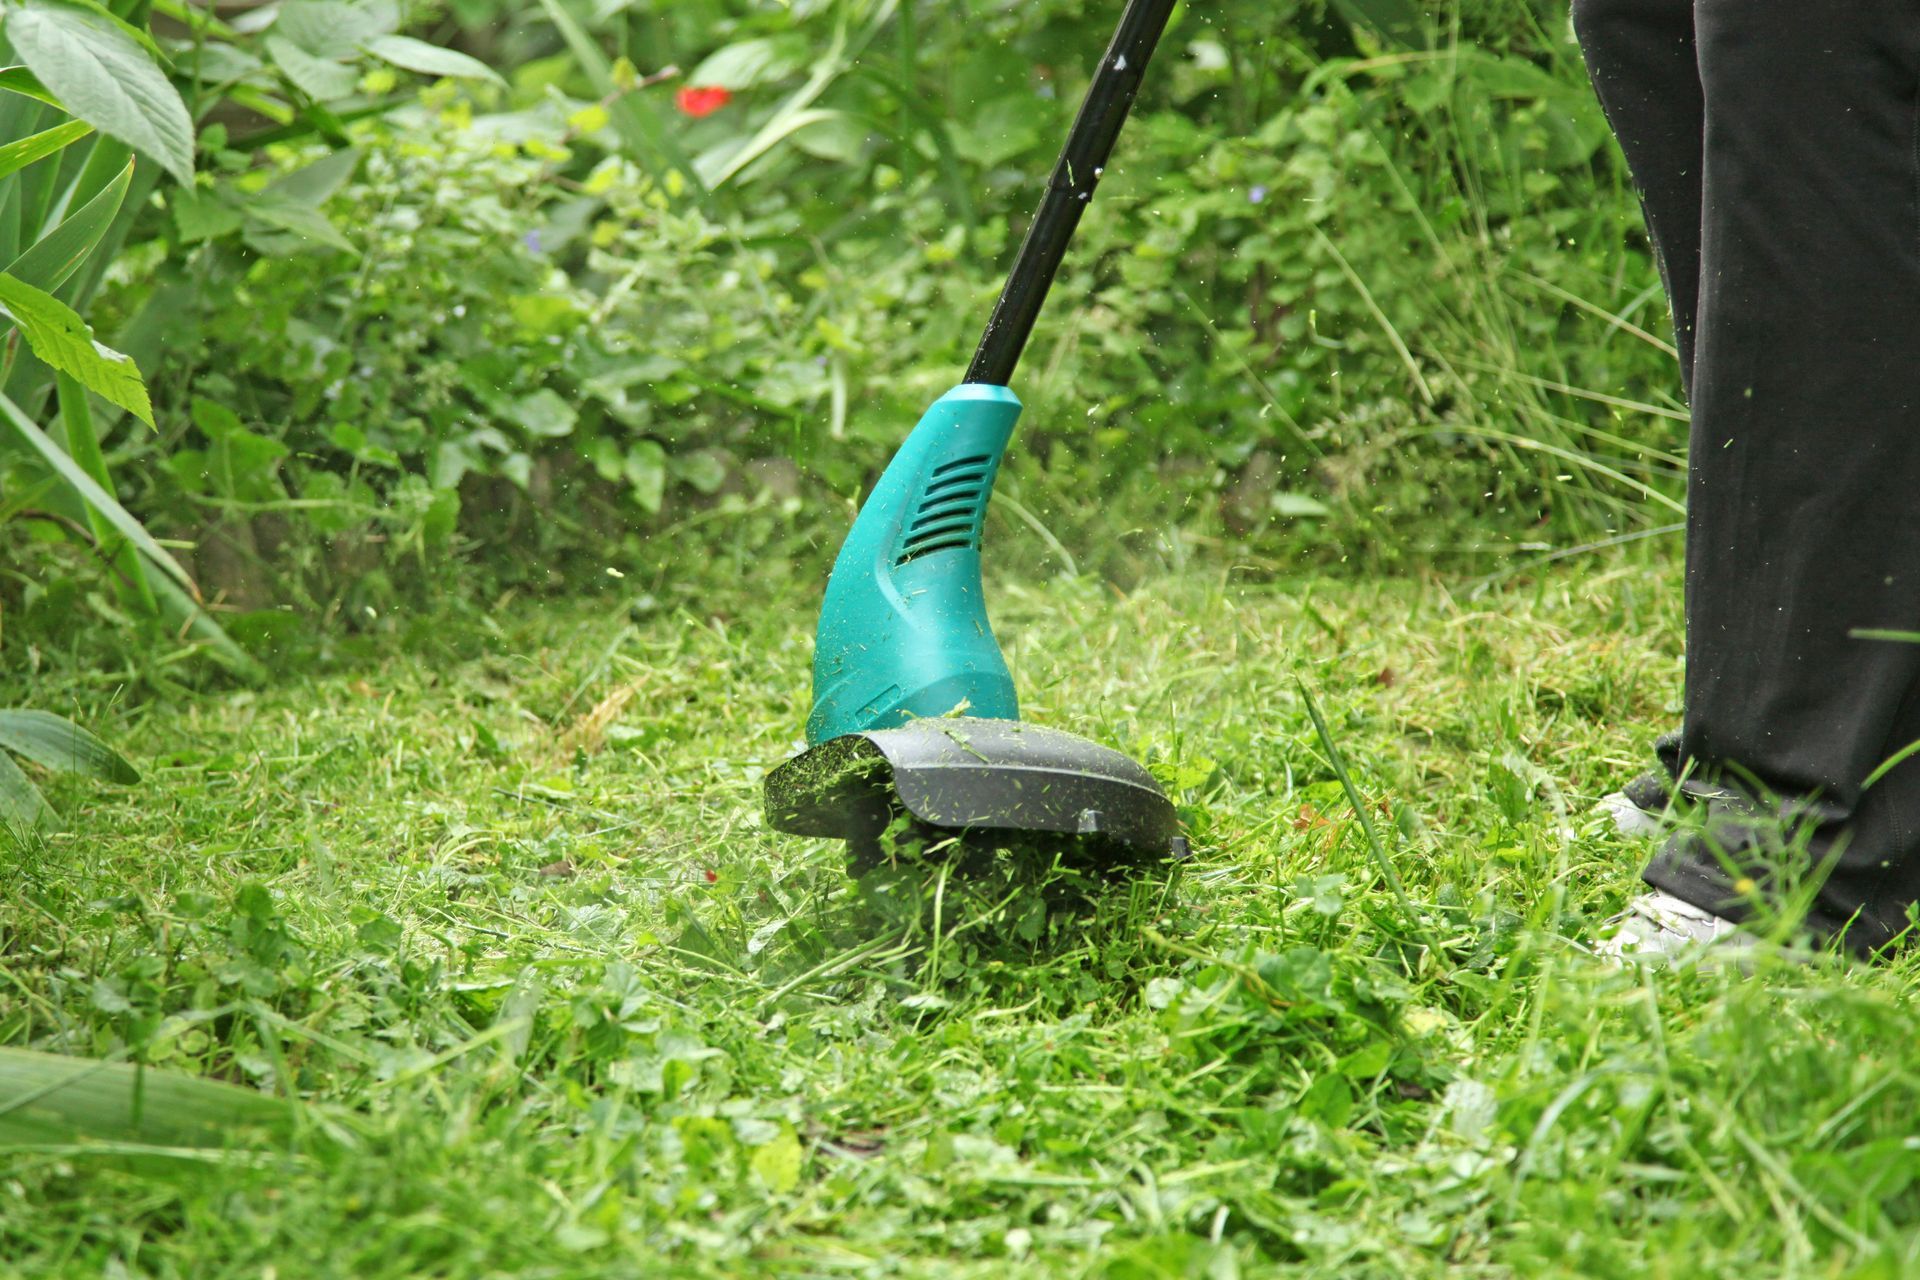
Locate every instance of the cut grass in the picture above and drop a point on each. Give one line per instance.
(499, 909)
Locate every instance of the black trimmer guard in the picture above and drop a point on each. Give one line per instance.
(987, 778)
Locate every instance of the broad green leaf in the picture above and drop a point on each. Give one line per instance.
(334, 28)
(221, 66)
(65, 342)
(842, 139)
(138, 34)
(430, 59)
(91, 492)
(718, 169)
(321, 79)
(645, 469)
(20, 154)
(302, 221)
(239, 463)
(22, 807)
(543, 413)
(747, 63)
(215, 420)
(48, 262)
(63, 746)
(47, 1098)
(103, 76)
(202, 215)
(1328, 1099)
(22, 81)
(313, 185)
(777, 1164)
(999, 131)
(705, 470)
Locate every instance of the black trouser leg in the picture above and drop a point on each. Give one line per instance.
(1641, 55)
(1804, 473)
(1642, 59)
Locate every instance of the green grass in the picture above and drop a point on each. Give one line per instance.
(554, 1003)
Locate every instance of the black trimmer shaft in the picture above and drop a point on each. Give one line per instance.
(1078, 171)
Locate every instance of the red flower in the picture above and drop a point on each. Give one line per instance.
(702, 100)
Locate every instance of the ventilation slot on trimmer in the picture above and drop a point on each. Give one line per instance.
(949, 512)
(977, 460)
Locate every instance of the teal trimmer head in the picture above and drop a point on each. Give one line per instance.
(903, 630)
(914, 711)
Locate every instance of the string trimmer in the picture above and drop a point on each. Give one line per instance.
(915, 719)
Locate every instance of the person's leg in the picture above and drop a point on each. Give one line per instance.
(1804, 472)
(1640, 54)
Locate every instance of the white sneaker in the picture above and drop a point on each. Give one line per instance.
(1629, 819)
(1659, 928)
(1644, 807)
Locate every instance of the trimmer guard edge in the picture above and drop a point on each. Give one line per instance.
(973, 775)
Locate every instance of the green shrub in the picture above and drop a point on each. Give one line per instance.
(98, 102)
(1383, 286)
(558, 353)
(1340, 294)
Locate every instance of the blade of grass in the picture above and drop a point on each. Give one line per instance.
(20, 154)
(1385, 863)
(1594, 309)
(47, 1097)
(50, 260)
(1380, 317)
(54, 743)
(1573, 456)
(117, 516)
(84, 448)
(22, 807)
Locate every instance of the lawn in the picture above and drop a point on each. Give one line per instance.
(494, 904)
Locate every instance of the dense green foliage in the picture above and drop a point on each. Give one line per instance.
(96, 115)
(1359, 278)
